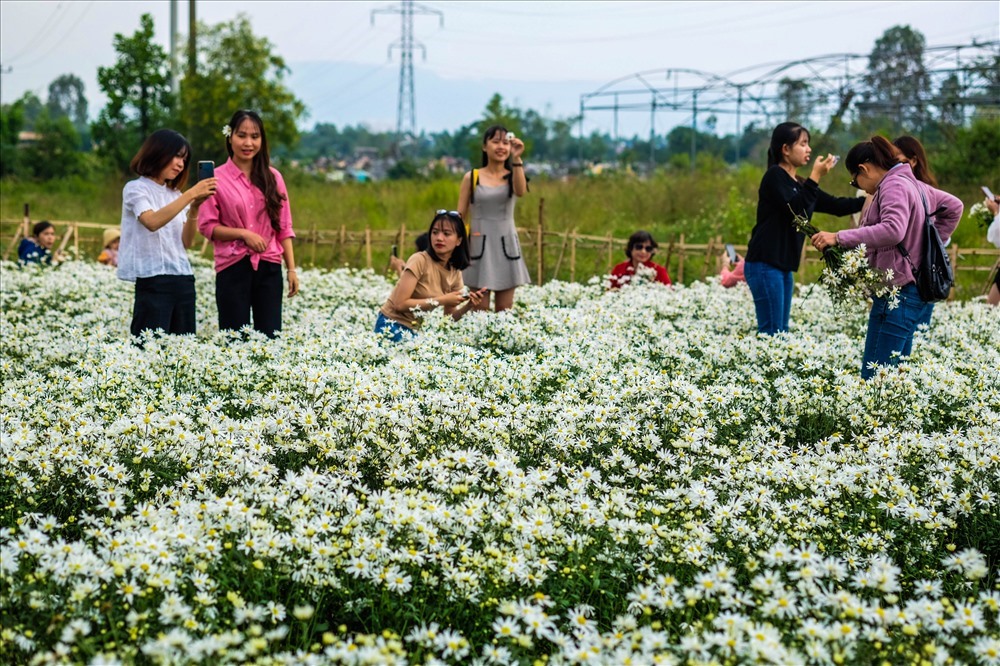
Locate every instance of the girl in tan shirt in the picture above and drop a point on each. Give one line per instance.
(431, 278)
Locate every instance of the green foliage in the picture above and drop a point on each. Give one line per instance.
(404, 170)
(67, 99)
(11, 123)
(896, 76)
(55, 154)
(138, 90)
(236, 70)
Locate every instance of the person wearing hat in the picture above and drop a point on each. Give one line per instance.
(109, 255)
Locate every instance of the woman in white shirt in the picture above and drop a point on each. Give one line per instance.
(156, 235)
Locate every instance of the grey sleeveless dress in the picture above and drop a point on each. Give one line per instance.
(494, 248)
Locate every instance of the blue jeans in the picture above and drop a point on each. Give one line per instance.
(772, 295)
(392, 329)
(890, 332)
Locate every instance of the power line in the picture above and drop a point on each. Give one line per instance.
(34, 42)
(61, 40)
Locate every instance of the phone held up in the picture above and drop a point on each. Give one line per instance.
(731, 251)
(206, 169)
(395, 250)
(989, 193)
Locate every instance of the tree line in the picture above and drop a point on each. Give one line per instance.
(236, 67)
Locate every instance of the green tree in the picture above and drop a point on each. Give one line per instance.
(138, 90)
(896, 79)
(67, 99)
(11, 124)
(237, 70)
(31, 109)
(495, 113)
(794, 96)
(55, 153)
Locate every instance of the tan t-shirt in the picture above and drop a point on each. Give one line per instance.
(433, 280)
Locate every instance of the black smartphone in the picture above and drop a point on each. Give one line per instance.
(731, 251)
(395, 251)
(206, 169)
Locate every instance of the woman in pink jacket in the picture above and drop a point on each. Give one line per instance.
(896, 215)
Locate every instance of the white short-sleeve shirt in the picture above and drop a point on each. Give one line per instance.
(143, 253)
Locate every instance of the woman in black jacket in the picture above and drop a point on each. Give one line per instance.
(775, 246)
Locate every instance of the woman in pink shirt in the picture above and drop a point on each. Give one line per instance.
(249, 223)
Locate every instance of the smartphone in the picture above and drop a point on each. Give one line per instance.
(989, 194)
(731, 251)
(836, 158)
(395, 251)
(206, 169)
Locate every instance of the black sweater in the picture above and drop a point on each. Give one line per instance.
(774, 239)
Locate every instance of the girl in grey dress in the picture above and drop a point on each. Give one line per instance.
(489, 198)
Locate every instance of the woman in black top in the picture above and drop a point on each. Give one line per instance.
(775, 246)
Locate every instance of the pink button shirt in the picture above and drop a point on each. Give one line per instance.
(238, 204)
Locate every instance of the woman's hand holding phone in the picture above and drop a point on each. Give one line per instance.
(203, 189)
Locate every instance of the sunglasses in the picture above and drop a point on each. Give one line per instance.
(450, 213)
(644, 248)
(854, 180)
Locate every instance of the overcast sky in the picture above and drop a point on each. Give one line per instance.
(541, 55)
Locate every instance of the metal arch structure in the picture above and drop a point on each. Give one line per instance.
(752, 94)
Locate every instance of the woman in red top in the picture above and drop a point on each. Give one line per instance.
(640, 250)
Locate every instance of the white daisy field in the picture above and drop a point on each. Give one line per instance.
(632, 477)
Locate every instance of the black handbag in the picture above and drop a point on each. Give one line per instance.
(935, 277)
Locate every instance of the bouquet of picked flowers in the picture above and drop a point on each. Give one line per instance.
(981, 214)
(848, 277)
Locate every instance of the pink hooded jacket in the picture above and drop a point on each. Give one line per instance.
(896, 215)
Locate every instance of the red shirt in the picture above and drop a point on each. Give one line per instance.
(624, 273)
(239, 204)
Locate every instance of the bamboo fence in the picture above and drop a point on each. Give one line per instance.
(549, 254)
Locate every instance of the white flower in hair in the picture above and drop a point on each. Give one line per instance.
(227, 131)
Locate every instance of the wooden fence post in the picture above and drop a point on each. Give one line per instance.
(680, 260)
(709, 251)
(314, 238)
(572, 258)
(562, 253)
(669, 255)
(343, 244)
(611, 250)
(540, 242)
(65, 239)
(20, 232)
(368, 246)
(402, 241)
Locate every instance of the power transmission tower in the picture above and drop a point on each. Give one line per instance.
(406, 117)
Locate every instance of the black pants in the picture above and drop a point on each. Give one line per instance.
(164, 302)
(240, 289)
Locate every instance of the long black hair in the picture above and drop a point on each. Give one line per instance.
(912, 149)
(783, 135)
(490, 132)
(158, 151)
(260, 170)
(459, 259)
